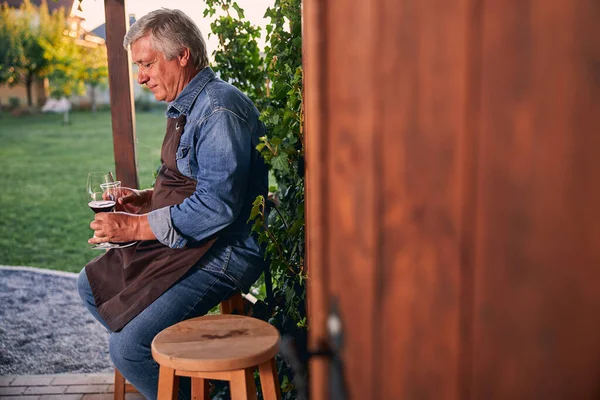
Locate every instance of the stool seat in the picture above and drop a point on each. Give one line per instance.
(215, 343)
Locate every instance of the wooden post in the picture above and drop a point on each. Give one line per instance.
(317, 300)
(121, 93)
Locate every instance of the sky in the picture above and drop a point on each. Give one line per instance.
(93, 12)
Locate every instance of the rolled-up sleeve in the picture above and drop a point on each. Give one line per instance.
(222, 148)
(162, 227)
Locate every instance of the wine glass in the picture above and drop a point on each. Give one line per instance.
(102, 192)
(95, 191)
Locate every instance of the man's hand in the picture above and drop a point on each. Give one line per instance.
(134, 201)
(119, 227)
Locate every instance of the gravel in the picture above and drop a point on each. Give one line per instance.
(44, 328)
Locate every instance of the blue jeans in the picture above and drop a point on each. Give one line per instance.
(221, 272)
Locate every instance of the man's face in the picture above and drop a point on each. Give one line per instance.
(165, 78)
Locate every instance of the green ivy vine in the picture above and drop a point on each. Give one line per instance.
(274, 81)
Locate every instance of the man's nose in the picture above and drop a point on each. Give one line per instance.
(142, 77)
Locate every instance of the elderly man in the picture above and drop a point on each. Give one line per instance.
(194, 247)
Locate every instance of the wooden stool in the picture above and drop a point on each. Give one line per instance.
(222, 347)
(235, 304)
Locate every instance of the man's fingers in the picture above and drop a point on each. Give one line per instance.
(126, 199)
(97, 223)
(101, 216)
(110, 227)
(97, 239)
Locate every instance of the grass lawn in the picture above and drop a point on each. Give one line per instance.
(44, 218)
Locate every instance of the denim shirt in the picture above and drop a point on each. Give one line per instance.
(218, 150)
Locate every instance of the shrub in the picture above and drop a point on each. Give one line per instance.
(13, 102)
(274, 81)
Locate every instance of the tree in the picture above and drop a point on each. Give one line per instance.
(65, 66)
(74, 65)
(6, 46)
(95, 69)
(30, 30)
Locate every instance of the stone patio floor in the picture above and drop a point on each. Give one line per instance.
(60, 387)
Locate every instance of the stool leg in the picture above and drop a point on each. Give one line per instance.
(269, 380)
(168, 384)
(234, 304)
(242, 385)
(200, 389)
(119, 392)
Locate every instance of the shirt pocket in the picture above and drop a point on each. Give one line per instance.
(183, 160)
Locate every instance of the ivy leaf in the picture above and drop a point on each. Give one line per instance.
(253, 213)
(258, 201)
(299, 223)
(239, 10)
(280, 163)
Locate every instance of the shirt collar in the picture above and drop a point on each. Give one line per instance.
(183, 102)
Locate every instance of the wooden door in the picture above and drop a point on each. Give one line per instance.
(453, 161)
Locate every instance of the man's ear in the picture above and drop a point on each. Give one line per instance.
(184, 57)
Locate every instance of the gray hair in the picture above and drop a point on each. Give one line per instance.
(170, 32)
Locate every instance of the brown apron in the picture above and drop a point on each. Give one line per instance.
(126, 281)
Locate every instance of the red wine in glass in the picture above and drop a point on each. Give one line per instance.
(102, 192)
(99, 206)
